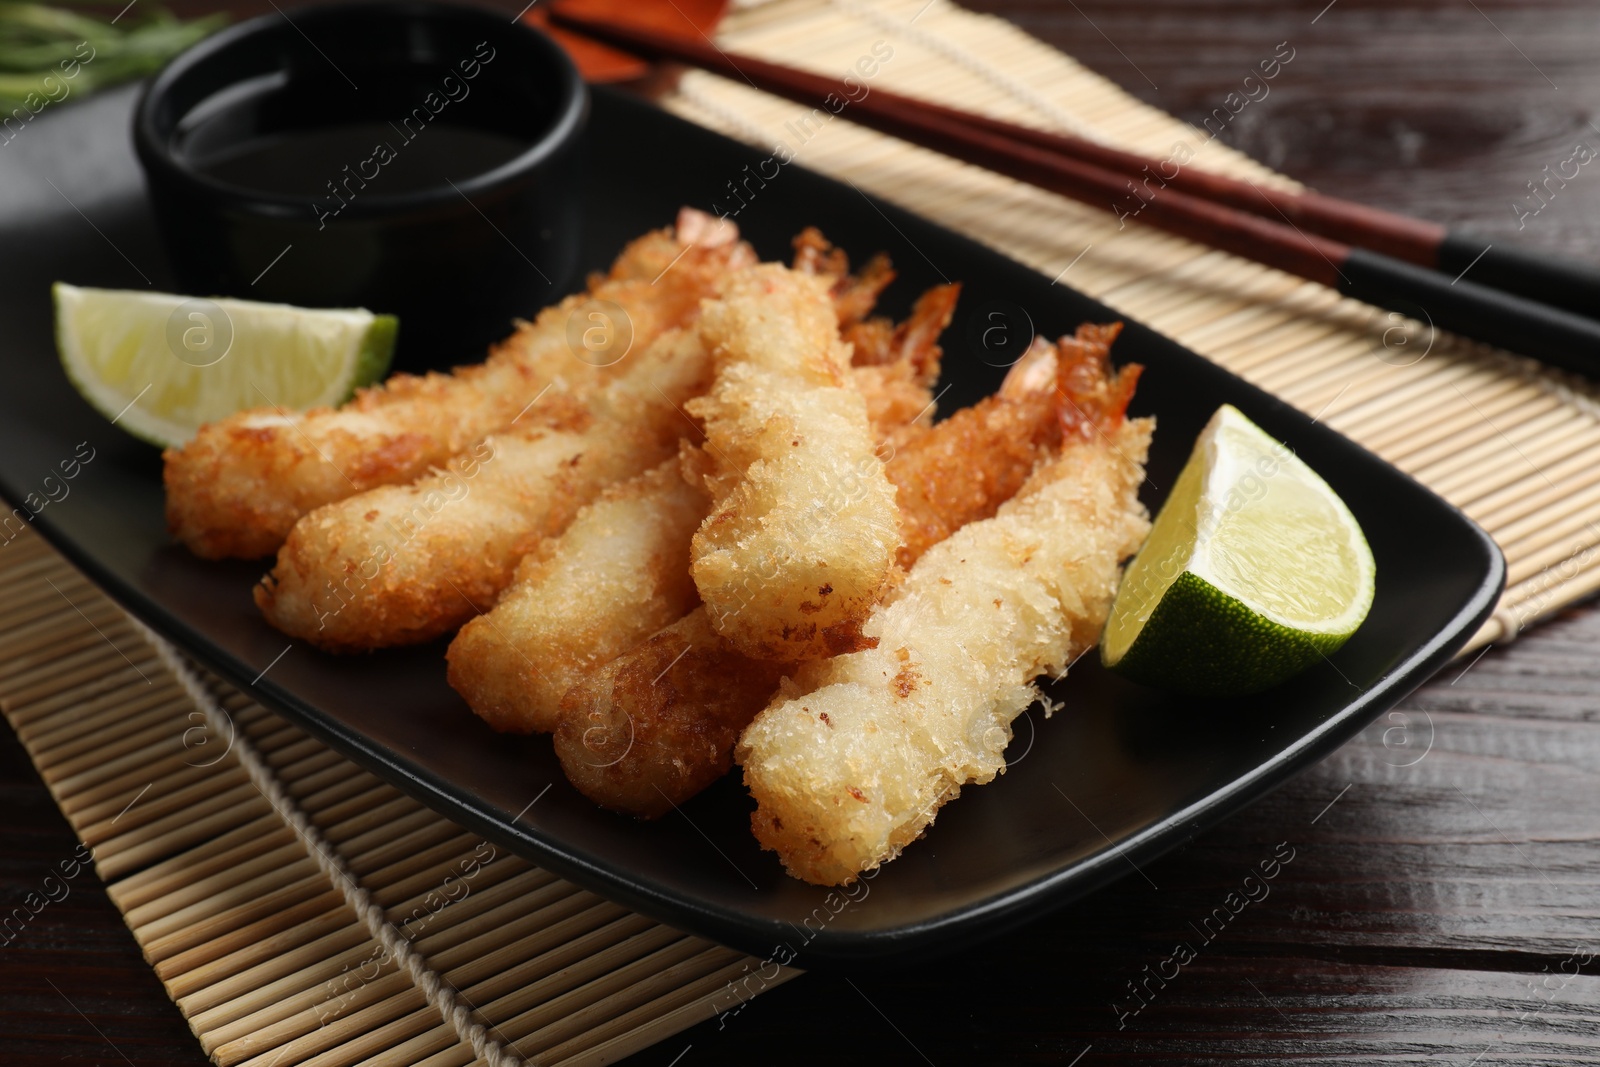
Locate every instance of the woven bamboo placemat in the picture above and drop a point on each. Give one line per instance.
(1500, 437)
(298, 910)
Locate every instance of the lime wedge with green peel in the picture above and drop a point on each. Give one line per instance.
(1254, 569)
(160, 365)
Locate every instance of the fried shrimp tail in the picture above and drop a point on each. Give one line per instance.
(242, 483)
(852, 767)
(895, 367)
(854, 295)
(801, 539)
(404, 564)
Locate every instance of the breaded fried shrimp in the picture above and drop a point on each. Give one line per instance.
(852, 765)
(801, 539)
(618, 574)
(403, 564)
(976, 459)
(658, 724)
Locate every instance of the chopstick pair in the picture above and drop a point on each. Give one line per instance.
(1533, 304)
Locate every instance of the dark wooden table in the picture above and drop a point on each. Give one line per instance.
(1442, 899)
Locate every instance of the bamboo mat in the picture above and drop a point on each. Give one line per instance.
(1503, 439)
(237, 911)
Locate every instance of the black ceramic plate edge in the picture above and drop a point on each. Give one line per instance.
(961, 926)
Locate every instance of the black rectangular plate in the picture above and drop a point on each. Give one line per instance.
(1144, 771)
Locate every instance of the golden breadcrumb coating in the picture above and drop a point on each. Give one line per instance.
(615, 576)
(403, 564)
(658, 724)
(801, 539)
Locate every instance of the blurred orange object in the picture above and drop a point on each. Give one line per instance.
(602, 63)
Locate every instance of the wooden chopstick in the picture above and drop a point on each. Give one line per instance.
(1499, 317)
(1547, 279)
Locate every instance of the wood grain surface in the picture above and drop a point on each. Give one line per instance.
(1440, 901)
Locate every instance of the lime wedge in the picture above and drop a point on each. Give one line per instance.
(161, 365)
(1253, 570)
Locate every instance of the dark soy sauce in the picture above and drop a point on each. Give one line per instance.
(411, 127)
(303, 162)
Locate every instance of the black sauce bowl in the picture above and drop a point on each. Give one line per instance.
(455, 246)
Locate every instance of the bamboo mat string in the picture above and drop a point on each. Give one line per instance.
(445, 998)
